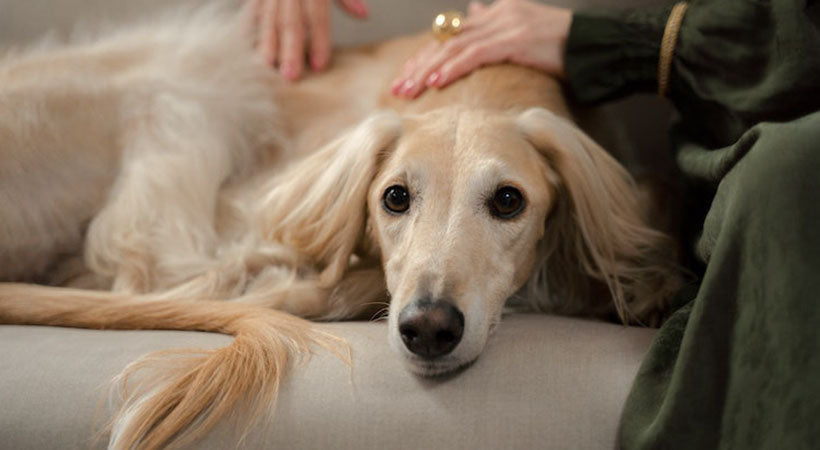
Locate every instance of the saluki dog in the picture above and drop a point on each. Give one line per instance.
(151, 175)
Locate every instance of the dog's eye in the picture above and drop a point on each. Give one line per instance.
(507, 202)
(396, 199)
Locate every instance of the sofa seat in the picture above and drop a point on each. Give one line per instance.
(543, 382)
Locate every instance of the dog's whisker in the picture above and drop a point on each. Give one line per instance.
(380, 315)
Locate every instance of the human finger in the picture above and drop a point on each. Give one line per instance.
(251, 17)
(267, 38)
(480, 54)
(476, 8)
(410, 65)
(356, 8)
(469, 27)
(318, 18)
(428, 71)
(292, 39)
(415, 71)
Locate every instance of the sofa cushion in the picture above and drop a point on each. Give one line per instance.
(542, 382)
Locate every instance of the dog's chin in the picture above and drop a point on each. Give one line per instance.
(436, 367)
(444, 365)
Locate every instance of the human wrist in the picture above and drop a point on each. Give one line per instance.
(563, 27)
(610, 54)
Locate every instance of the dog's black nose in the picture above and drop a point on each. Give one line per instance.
(431, 329)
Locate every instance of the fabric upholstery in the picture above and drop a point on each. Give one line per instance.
(543, 382)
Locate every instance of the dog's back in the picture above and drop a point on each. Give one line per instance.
(167, 99)
(185, 100)
(151, 160)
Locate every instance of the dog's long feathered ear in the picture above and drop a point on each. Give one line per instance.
(318, 207)
(596, 239)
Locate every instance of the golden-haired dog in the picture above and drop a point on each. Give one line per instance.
(149, 176)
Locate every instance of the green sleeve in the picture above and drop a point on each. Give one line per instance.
(610, 54)
(736, 62)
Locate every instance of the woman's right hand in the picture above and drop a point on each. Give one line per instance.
(517, 31)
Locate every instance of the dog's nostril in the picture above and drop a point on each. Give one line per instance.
(408, 333)
(445, 336)
(431, 329)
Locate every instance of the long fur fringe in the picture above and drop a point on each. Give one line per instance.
(187, 392)
(296, 250)
(599, 253)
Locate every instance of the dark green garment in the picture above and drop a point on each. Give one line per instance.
(738, 366)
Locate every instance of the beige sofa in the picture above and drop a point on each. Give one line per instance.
(543, 381)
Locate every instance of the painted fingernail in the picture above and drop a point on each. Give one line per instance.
(318, 63)
(288, 71)
(395, 87)
(433, 79)
(407, 87)
(361, 8)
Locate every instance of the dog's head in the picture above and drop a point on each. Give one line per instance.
(457, 210)
(467, 208)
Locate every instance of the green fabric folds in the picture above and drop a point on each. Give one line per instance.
(739, 365)
(736, 63)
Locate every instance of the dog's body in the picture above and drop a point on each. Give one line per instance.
(165, 167)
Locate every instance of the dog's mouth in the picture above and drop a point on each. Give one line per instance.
(438, 367)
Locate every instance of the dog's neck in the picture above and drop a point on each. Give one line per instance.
(358, 84)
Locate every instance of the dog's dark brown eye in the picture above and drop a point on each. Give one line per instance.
(396, 199)
(507, 202)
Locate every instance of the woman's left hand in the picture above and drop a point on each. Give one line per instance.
(517, 31)
(286, 27)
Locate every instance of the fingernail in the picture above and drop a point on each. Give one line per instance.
(268, 57)
(361, 9)
(433, 79)
(318, 63)
(417, 92)
(407, 87)
(288, 71)
(396, 86)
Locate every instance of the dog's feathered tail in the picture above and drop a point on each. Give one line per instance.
(196, 387)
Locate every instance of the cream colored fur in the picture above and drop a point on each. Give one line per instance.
(166, 168)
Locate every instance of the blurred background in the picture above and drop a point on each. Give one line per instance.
(634, 130)
(24, 20)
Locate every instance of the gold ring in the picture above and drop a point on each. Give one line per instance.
(447, 25)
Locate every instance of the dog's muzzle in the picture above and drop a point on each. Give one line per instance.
(431, 329)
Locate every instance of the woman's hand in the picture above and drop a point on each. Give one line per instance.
(517, 31)
(285, 27)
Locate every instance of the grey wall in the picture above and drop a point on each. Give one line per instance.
(24, 20)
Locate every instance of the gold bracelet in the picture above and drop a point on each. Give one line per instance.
(670, 37)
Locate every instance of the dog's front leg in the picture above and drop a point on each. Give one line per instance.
(360, 294)
(157, 227)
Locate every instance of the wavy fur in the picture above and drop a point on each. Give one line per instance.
(193, 390)
(183, 196)
(600, 240)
